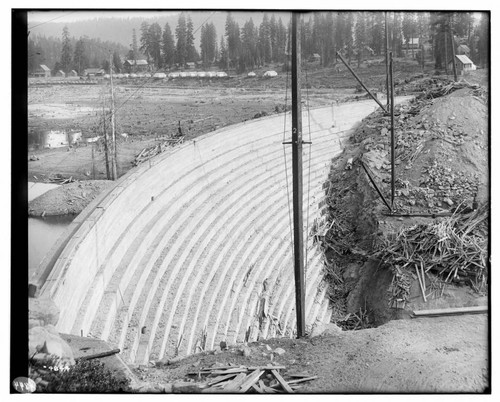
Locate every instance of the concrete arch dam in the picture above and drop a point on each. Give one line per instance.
(194, 247)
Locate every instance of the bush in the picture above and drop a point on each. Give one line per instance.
(84, 376)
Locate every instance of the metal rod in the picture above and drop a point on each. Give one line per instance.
(298, 230)
(372, 180)
(393, 140)
(361, 82)
(387, 59)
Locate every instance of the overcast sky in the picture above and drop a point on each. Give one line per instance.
(72, 16)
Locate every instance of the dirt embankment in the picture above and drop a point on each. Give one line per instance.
(431, 355)
(441, 168)
(69, 198)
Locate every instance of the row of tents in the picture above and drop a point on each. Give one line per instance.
(191, 74)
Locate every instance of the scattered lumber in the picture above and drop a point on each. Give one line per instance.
(450, 311)
(256, 379)
(149, 152)
(99, 355)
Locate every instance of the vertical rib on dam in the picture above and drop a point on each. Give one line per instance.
(194, 246)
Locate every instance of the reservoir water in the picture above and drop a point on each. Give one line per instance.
(42, 235)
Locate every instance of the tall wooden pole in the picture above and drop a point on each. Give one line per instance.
(452, 51)
(298, 229)
(113, 134)
(393, 138)
(387, 59)
(106, 143)
(445, 52)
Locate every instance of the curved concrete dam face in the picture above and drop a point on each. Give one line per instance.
(194, 247)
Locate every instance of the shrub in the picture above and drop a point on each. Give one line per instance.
(84, 376)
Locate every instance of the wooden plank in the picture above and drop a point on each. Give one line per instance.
(257, 388)
(221, 378)
(266, 368)
(283, 383)
(299, 375)
(231, 371)
(451, 311)
(235, 384)
(251, 379)
(297, 381)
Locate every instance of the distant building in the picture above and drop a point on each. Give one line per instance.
(42, 71)
(315, 57)
(463, 49)
(190, 65)
(94, 72)
(136, 66)
(73, 73)
(60, 73)
(463, 64)
(413, 43)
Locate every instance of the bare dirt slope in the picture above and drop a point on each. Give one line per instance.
(421, 355)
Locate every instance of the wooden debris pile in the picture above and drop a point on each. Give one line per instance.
(242, 379)
(149, 152)
(454, 248)
(59, 179)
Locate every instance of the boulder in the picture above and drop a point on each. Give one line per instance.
(279, 351)
(47, 340)
(42, 311)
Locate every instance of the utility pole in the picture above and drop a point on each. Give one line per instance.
(298, 229)
(106, 143)
(387, 59)
(113, 134)
(393, 139)
(445, 52)
(452, 50)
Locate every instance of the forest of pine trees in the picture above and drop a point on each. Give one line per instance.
(357, 35)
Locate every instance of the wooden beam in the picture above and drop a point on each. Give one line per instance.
(282, 382)
(250, 380)
(450, 311)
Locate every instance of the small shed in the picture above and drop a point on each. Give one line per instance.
(413, 43)
(60, 73)
(135, 66)
(94, 72)
(315, 58)
(251, 74)
(463, 64)
(190, 65)
(73, 73)
(42, 71)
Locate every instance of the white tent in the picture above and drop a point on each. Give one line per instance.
(173, 75)
(159, 76)
(221, 74)
(270, 73)
(251, 74)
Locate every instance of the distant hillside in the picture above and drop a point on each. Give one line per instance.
(120, 29)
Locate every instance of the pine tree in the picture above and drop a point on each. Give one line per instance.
(233, 39)
(181, 46)
(135, 50)
(208, 44)
(145, 40)
(360, 36)
(249, 44)
(265, 50)
(66, 54)
(192, 54)
(80, 57)
(117, 63)
(224, 57)
(377, 33)
(168, 46)
(154, 44)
